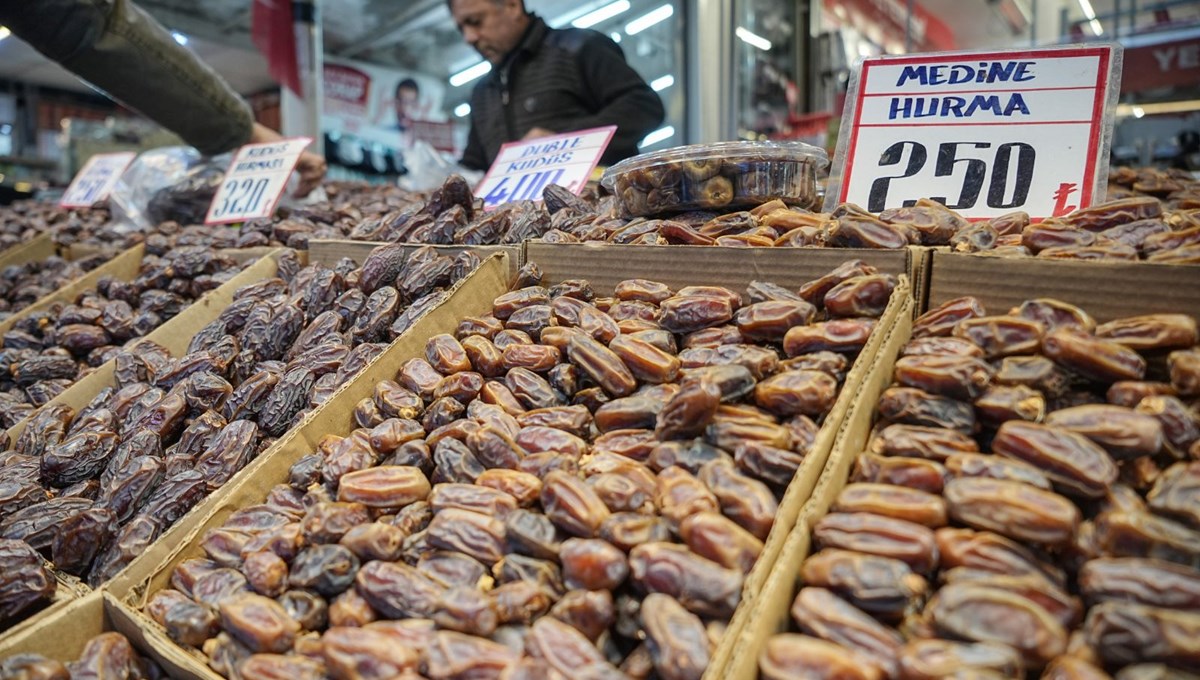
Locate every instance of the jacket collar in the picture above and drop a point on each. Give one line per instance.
(531, 41)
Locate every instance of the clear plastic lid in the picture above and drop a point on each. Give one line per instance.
(726, 151)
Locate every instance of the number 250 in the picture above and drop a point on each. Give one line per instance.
(976, 172)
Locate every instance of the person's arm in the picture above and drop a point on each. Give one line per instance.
(120, 49)
(625, 99)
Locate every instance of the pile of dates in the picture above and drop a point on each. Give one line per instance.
(91, 490)
(26, 582)
(1029, 504)
(22, 221)
(108, 655)
(569, 486)
(22, 285)
(1178, 189)
(46, 352)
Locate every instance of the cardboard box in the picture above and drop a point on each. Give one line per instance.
(124, 267)
(999, 283)
(40, 248)
(175, 334)
(606, 265)
(1106, 289)
(152, 573)
(329, 251)
(64, 635)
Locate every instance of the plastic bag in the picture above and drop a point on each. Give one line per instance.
(171, 183)
(428, 168)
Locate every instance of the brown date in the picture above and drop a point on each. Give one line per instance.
(910, 543)
(702, 586)
(710, 534)
(690, 411)
(1176, 493)
(1141, 534)
(1101, 360)
(1151, 331)
(943, 345)
(1071, 461)
(995, 467)
(1145, 581)
(1124, 633)
(397, 590)
(913, 473)
(978, 613)
(838, 335)
(1013, 509)
(941, 320)
(360, 653)
(259, 623)
(1122, 432)
(931, 659)
(930, 443)
(811, 393)
(788, 656)
(991, 552)
(470, 533)
(911, 406)
(1179, 426)
(1001, 336)
(589, 611)
(676, 638)
(466, 610)
(645, 361)
(1001, 403)
(572, 505)
(25, 581)
(592, 564)
(860, 296)
(821, 613)
(956, 377)
(1184, 367)
(883, 587)
(897, 502)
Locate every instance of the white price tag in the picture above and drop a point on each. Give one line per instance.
(95, 181)
(522, 170)
(255, 181)
(984, 133)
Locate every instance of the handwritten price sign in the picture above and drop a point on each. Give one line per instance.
(95, 181)
(522, 170)
(255, 181)
(984, 133)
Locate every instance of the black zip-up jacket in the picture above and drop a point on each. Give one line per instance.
(561, 80)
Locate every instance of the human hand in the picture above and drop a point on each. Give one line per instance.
(538, 132)
(311, 168)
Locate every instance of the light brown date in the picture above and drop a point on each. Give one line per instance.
(908, 542)
(1071, 461)
(881, 586)
(1013, 509)
(981, 614)
(897, 502)
(914, 473)
(788, 656)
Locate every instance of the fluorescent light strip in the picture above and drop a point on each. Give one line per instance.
(1096, 27)
(179, 37)
(4, 32)
(752, 39)
(1090, 14)
(603, 14)
(616, 36)
(470, 73)
(649, 19)
(657, 136)
(1158, 108)
(462, 110)
(660, 84)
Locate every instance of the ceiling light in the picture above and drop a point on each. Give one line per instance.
(470, 73)
(1096, 27)
(179, 37)
(657, 136)
(1090, 14)
(660, 84)
(753, 39)
(603, 14)
(1138, 112)
(1159, 108)
(649, 19)
(462, 110)
(616, 36)
(4, 32)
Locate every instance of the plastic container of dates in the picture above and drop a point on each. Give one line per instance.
(724, 176)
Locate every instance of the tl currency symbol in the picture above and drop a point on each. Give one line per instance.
(1061, 195)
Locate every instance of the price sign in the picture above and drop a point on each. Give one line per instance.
(984, 133)
(255, 180)
(96, 180)
(523, 169)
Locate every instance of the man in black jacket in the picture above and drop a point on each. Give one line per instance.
(545, 81)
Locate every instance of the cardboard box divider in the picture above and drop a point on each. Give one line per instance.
(124, 267)
(1108, 289)
(63, 636)
(770, 613)
(329, 251)
(175, 334)
(40, 248)
(152, 572)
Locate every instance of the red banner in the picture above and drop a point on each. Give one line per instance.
(1174, 63)
(275, 36)
(930, 34)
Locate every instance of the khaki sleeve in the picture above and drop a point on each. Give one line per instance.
(121, 50)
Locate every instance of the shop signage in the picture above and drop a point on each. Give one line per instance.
(1175, 63)
(522, 170)
(95, 181)
(984, 133)
(255, 181)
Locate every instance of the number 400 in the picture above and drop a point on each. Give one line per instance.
(977, 170)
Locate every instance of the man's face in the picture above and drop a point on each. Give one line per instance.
(406, 99)
(492, 28)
